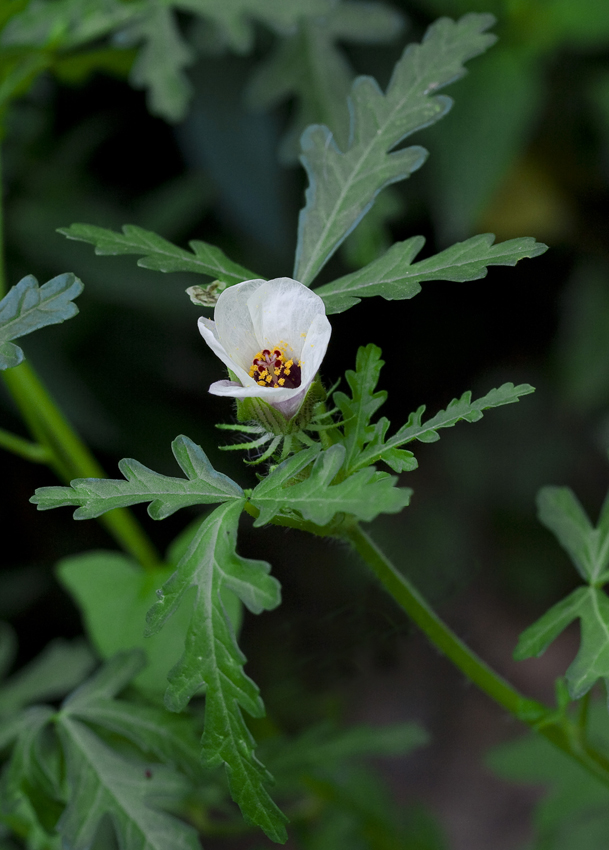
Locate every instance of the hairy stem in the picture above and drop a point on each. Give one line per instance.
(553, 725)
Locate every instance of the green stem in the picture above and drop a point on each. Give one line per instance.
(33, 452)
(69, 457)
(58, 444)
(557, 728)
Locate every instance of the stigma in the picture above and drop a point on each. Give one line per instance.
(275, 369)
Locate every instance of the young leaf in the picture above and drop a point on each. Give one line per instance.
(212, 658)
(310, 66)
(161, 60)
(169, 737)
(235, 18)
(65, 23)
(202, 486)
(394, 276)
(462, 409)
(343, 186)
(364, 495)
(560, 511)
(358, 410)
(29, 788)
(592, 661)
(101, 782)
(27, 307)
(159, 254)
(61, 666)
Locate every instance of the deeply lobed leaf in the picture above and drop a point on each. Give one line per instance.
(169, 737)
(394, 276)
(561, 512)
(94, 496)
(343, 185)
(159, 254)
(28, 307)
(103, 783)
(317, 499)
(461, 409)
(591, 606)
(308, 65)
(213, 660)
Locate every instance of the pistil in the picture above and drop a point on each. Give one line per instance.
(275, 369)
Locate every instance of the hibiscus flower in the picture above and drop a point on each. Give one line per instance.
(272, 335)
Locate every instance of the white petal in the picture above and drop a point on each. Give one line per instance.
(282, 311)
(234, 326)
(288, 403)
(209, 332)
(314, 348)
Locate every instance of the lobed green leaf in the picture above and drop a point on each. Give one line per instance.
(344, 185)
(213, 660)
(169, 737)
(317, 499)
(159, 254)
(561, 512)
(94, 496)
(60, 667)
(28, 307)
(309, 66)
(394, 276)
(461, 409)
(591, 606)
(103, 783)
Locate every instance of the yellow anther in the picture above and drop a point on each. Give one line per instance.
(277, 371)
(268, 378)
(281, 381)
(262, 383)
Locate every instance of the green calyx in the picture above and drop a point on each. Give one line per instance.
(255, 410)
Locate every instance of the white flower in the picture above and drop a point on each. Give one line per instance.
(272, 335)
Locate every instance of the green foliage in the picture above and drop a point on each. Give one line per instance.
(151, 26)
(591, 605)
(213, 660)
(324, 748)
(161, 60)
(29, 792)
(343, 185)
(202, 486)
(235, 19)
(366, 444)
(573, 811)
(560, 511)
(168, 737)
(27, 307)
(126, 783)
(159, 254)
(309, 66)
(317, 499)
(102, 782)
(59, 668)
(109, 587)
(395, 277)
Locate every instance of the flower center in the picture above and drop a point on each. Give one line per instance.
(275, 369)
